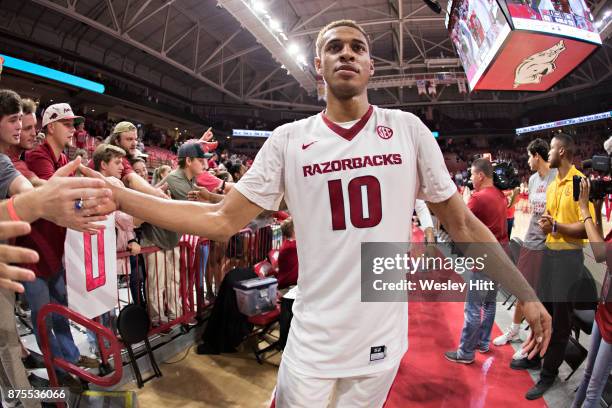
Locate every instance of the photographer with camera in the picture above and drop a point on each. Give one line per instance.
(488, 204)
(599, 361)
(563, 259)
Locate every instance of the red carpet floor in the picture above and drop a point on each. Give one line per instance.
(427, 379)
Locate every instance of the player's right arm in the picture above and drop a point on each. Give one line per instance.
(214, 221)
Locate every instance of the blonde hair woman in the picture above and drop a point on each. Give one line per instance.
(160, 174)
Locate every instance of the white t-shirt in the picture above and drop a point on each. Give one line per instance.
(344, 187)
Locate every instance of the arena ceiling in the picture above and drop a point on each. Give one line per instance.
(212, 51)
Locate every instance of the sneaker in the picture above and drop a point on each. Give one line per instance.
(507, 337)
(38, 382)
(519, 354)
(93, 351)
(88, 362)
(33, 361)
(539, 389)
(526, 364)
(482, 350)
(22, 312)
(452, 356)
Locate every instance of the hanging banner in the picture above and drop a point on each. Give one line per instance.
(91, 270)
(431, 88)
(421, 86)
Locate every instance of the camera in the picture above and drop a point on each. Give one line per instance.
(505, 176)
(601, 184)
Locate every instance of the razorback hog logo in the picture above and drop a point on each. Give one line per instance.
(533, 68)
(384, 132)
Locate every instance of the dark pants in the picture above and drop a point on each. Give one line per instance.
(286, 315)
(559, 271)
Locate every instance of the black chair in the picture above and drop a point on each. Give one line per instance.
(582, 320)
(515, 246)
(133, 326)
(575, 353)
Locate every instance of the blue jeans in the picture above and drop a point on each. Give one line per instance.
(596, 372)
(479, 316)
(204, 249)
(53, 290)
(106, 321)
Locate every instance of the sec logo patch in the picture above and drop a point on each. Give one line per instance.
(384, 132)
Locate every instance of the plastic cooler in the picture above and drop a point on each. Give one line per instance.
(256, 295)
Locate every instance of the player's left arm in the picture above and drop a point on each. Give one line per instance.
(464, 227)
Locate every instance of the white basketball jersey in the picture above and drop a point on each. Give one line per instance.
(344, 187)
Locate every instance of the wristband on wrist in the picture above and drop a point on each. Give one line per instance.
(586, 218)
(10, 207)
(554, 227)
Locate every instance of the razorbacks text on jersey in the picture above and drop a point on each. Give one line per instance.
(345, 184)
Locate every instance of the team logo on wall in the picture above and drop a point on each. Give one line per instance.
(384, 132)
(538, 65)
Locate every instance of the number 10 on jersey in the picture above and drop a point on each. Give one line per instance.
(366, 214)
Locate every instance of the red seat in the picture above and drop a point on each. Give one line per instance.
(266, 318)
(265, 323)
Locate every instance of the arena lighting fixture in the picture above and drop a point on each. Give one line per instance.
(259, 7)
(268, 31)
(275, 25)
(293, 49)
(50, 73)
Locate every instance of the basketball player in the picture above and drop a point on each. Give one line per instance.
(350, 174)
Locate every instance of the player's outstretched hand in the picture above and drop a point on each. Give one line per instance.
(540, 323)
(60, 195)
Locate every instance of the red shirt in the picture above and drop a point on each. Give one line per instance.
(15, 154)
(81, 138)
(489, 206)
(603, 315)
(287, 264)
(46, 237)
(208, 181)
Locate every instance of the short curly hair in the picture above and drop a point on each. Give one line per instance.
(540, 147)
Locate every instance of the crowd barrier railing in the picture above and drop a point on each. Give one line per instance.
(110, 349)
(168, 283)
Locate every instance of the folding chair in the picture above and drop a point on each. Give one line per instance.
(133, 326)
(264, 323)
